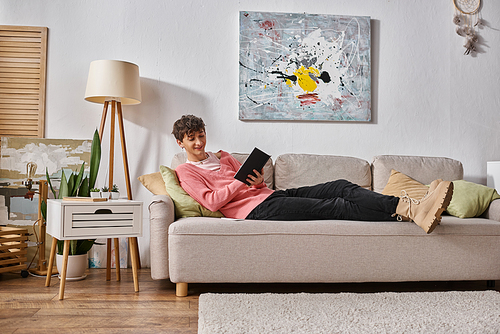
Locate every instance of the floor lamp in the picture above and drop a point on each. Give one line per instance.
(114, 83)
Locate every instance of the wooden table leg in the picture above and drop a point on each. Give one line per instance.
(64, 269)
(135, 258)
(117, 259)
(108, 260)
(51, 261)
(137, 250)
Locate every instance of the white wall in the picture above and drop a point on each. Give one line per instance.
(427, 97)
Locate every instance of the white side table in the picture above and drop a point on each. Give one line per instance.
(74, 220)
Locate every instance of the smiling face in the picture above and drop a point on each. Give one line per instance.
(194, 144)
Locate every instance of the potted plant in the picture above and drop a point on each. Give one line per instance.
(95, 192)
(77, 260)
(105, 192)
(115, 192)
(77, 185)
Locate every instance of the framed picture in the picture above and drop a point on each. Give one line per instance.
(30, 158)
(304, 67)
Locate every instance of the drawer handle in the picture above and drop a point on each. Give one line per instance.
(103, 211)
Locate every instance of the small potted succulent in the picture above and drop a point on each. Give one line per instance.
(105, 192)
(95, 192)
(115, 192)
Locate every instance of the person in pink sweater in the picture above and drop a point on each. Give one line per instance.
(209, 178)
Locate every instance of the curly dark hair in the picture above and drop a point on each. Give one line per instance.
(187, 125)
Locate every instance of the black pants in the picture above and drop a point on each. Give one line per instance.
(339, 199)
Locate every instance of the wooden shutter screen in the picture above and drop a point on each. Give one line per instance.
(23, 62)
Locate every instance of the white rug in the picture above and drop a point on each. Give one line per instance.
(388, 312)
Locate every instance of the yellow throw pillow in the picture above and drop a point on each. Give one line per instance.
(185, 205)
(154, 183)
(399, 181)
(470, 199)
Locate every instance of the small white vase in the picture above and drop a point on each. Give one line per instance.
(105, 194)
(95, 194)
(115, 195)
(77, 264)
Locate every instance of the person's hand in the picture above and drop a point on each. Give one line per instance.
(256, 179)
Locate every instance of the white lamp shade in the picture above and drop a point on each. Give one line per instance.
(113, 80)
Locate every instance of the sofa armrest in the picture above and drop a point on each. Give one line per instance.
(161, 215)
(493, 211)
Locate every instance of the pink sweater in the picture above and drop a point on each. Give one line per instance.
(219, 190)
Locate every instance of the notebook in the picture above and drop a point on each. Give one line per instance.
(256, 160)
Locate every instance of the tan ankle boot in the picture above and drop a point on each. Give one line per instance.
(434, 185)
(426, 212)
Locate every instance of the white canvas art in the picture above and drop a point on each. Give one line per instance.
(18, 205)
(304, 67)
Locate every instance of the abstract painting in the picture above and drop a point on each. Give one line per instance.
(304, 67)
(22, 156)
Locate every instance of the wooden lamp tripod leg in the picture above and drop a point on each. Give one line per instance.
(111, 178)
(103, 120)
(127, 174)
(111, 153)
(124, 150)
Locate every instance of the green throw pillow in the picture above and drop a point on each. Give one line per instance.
(470, 199)
(185, 205)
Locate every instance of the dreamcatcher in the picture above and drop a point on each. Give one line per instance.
(467, 20)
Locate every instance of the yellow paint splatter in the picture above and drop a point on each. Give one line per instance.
(289, 82)
(305, 78)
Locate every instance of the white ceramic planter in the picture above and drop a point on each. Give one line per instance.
(115, 195)
(105, 194)
(77, 264)
(94, 194)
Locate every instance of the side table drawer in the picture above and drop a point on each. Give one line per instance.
(95, 221)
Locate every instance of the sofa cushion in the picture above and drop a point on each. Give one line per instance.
(181, 158)
(297, 170)
(185, 205)
(218, 250)
(449, 225)
(422, 169)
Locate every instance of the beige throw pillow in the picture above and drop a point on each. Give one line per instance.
(154, 183)
(399, 181)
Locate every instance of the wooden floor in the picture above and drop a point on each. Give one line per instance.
(94, 305)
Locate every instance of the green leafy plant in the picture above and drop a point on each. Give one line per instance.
(105, 189)
(76, 247)
(115, 189)
(77, 185)
(95, 190)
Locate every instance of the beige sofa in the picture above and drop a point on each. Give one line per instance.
(208, 250)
